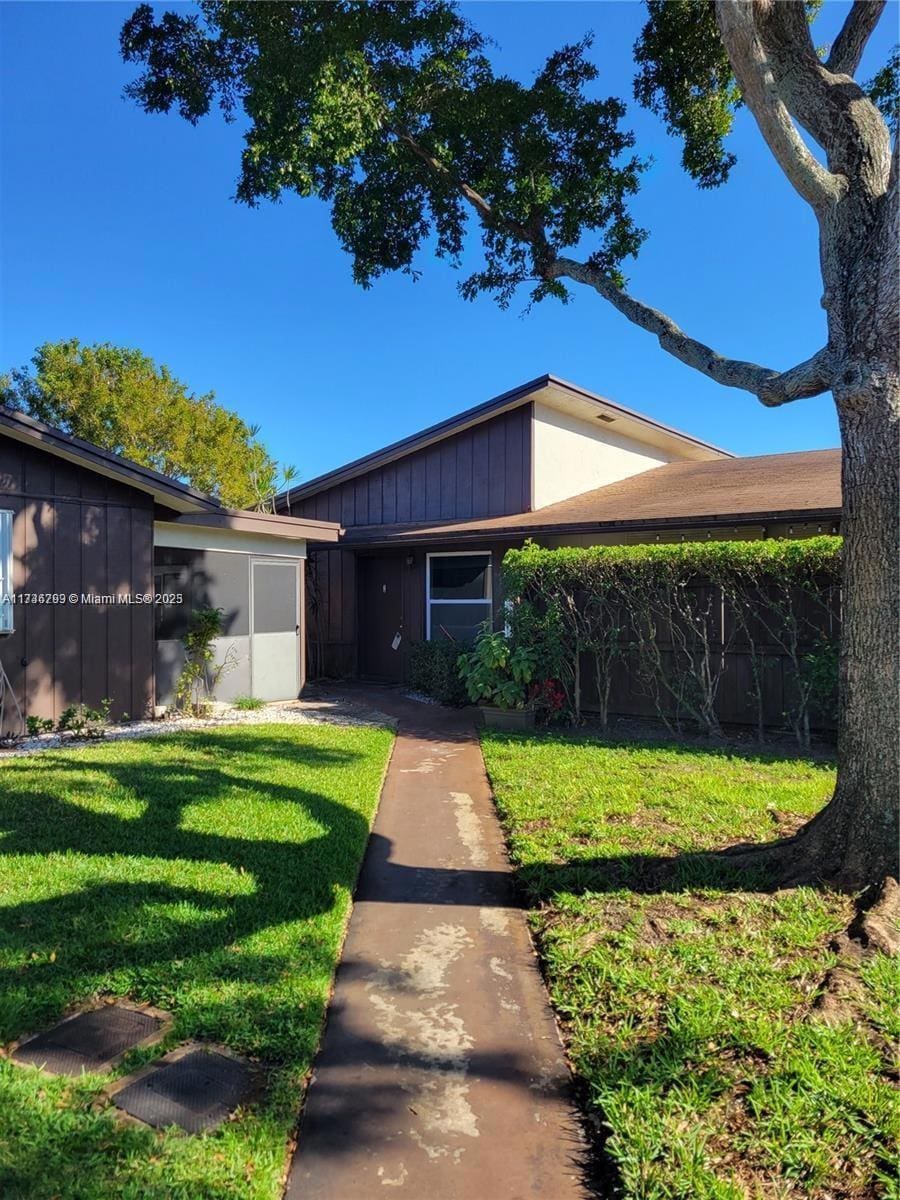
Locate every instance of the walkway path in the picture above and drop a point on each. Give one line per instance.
(441, 1075)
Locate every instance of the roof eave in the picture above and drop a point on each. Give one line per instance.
(271, 525)
(163, 489)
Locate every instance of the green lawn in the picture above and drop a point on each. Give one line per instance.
(684, 991)
(209, 873)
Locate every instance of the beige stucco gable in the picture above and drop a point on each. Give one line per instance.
(578, 446)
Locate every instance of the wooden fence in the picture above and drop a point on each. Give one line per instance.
(755, 657)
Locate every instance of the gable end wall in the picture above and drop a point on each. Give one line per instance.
(484, 471)
(573, 455)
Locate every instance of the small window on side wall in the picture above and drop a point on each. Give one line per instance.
(6, 569)
(457, 595)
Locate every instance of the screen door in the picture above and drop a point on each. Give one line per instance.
(274, 631)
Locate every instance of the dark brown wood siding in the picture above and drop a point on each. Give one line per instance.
(333, 600)
(484, 471)
(76, 532)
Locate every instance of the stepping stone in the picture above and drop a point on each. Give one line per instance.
(92, 1041)
(194, 1087)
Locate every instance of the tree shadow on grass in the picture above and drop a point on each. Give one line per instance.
(174, 943)
(650, 874)
(765, 866)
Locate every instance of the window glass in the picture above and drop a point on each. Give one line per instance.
(458, 622)
(460, 577)
(459, 596)
(6, 566)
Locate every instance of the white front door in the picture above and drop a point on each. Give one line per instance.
(274, 630)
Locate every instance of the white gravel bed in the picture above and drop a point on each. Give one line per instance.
(299, 712)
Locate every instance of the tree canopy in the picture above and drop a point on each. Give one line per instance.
(394, 114)
(119, 399)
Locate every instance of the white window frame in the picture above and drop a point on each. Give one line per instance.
(7, 609)
(488, 599)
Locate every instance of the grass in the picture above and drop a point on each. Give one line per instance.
(685, 991)
(208, 873)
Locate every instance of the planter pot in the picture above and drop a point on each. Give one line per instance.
(512, 719)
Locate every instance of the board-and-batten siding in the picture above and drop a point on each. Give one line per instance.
(74, 531)
(484, 471)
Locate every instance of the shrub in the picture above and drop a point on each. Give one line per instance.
(37, 725)
(497, 671)
(434, 671)
(677, 612)
(82, 721)
(200, 674)
(248, 703)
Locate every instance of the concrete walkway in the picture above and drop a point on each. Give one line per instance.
(441, 1075)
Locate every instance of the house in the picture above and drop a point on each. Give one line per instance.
(427, 520)
(102, 562)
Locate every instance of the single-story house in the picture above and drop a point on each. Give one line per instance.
(101, 563)
(426, 521)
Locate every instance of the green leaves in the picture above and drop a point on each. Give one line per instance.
(884, 90)
(393, 114)
(797, 561)
(497, 671)
(119, 399)
(669, 607)
(685, 78)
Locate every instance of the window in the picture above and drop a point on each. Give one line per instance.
(457, 595)
(6, 567)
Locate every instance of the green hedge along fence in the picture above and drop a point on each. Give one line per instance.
(701, 632)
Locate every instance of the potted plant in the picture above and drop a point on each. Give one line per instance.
(497, 675)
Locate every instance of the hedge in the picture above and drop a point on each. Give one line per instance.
(434, 672)
(678, 611)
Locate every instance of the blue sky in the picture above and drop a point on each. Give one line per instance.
(120, 227)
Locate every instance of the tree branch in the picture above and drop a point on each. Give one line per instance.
(772, 388)
(754, 72)
(850, 43)
(833, 109)
(486, 213)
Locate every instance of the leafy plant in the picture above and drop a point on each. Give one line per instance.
(496, 671)
(676, 615)
(822, 670)
(433, 671)
(247, 703)
(82, 721)
(38, 725)
(118, 398)
(548, 697)
(201, 673)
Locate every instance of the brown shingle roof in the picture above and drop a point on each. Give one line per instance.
(797, 486)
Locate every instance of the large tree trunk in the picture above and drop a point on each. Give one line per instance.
(854, 840)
